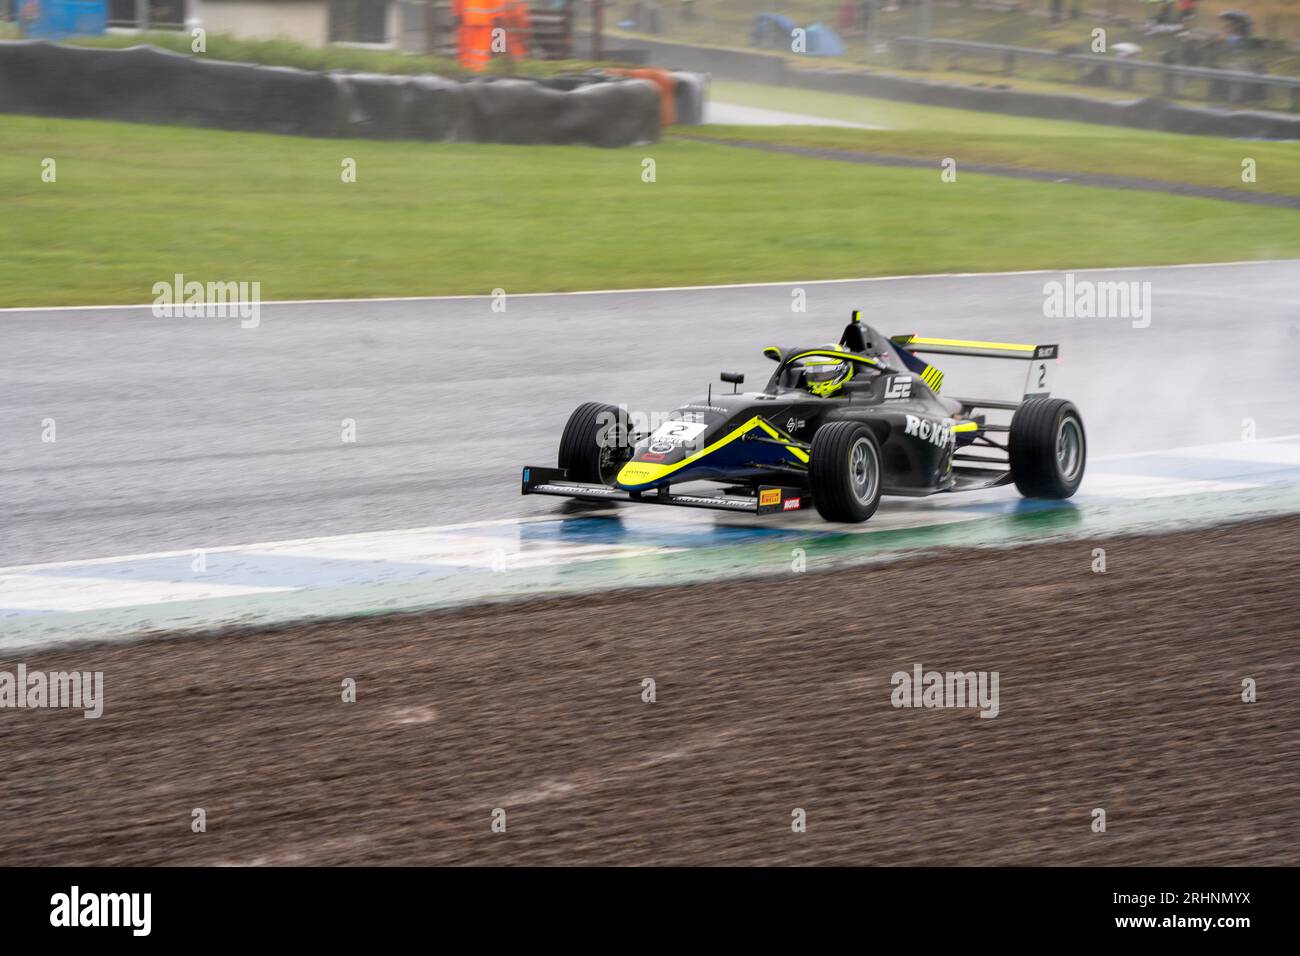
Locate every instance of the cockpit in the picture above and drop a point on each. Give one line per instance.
(822, 370)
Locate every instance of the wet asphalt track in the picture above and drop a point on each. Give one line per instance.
(183, 433)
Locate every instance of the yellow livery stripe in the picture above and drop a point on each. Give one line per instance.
(963, 343)
(642, 472)
(932, 377)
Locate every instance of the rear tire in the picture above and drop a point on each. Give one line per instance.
(1048, 448)
(844, 471)
(595, 445)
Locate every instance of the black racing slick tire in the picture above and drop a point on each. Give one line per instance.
(595, 443)
(844, 471)
(1048, 448)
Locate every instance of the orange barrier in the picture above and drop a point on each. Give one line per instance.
(667, 90)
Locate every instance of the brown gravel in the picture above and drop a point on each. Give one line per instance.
(1118, 690)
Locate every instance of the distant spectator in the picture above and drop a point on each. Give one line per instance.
(1236, 29)
(27, 17)
(847, 17)
(868, 16)
(643, 16)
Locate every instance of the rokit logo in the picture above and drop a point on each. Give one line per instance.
(133, 910)
(900, 386)
(934, 432)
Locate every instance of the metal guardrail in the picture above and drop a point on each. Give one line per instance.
(1231, 86)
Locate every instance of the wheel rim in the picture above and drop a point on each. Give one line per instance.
(1069, 449)
(864, 471)
(612, 457)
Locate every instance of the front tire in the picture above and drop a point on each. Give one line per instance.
(595, 444)
(1048, 448)
(844, 471)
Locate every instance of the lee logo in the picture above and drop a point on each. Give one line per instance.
(900, 386)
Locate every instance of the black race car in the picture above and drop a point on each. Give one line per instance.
(836, 427)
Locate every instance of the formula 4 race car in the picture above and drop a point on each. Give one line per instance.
(836, 427)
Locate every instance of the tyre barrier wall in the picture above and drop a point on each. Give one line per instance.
(682, 94)
(1150, 113)
(690, 96)
(148, 85)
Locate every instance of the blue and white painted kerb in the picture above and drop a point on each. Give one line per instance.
(277, 567)
(380, 572)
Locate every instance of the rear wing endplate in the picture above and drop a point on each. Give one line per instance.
(1040, 357)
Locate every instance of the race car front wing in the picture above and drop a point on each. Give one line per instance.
(767, 499)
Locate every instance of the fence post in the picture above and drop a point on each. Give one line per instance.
(925, 15)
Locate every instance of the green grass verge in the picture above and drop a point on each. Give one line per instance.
(134, 204)
(933, 133)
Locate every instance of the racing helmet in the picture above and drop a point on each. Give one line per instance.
(824, 375)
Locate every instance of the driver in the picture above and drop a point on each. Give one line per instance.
(824, 376)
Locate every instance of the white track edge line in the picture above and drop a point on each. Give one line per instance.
(687, 288)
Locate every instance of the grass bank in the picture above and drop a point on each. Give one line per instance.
(134, 204)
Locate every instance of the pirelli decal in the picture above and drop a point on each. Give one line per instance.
(932, 378)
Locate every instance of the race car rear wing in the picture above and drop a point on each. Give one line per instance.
(1036, 382)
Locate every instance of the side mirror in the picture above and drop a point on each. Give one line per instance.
(735, 378)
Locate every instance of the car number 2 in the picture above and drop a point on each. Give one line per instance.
(677, 432)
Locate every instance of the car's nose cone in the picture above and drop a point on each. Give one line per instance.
(638, 474)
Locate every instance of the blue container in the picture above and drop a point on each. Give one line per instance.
(59, 19)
